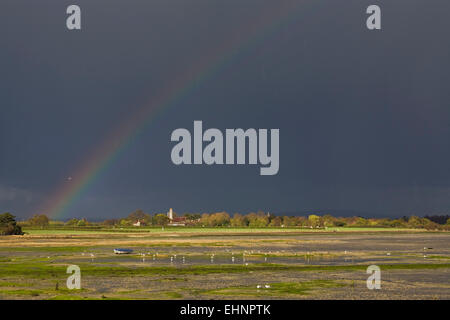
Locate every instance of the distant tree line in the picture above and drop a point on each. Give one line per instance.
(439, 219)
(257, 219)
(261, 219)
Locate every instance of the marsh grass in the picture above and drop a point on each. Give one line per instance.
(79, 297)
(30, 267)
(21, 292)
(45, 271)
(11, 284)
(281, 289)
(439, 257)
(45, 290)
(173, 295)
(68, 249)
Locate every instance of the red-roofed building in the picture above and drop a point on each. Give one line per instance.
(175, 221)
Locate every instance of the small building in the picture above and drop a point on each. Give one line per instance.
(178, 222)
(175, 221)
(137, 224)
(170, 214)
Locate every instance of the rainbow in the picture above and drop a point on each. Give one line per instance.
(267, 23)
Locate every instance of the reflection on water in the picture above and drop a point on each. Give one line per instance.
(226, 257)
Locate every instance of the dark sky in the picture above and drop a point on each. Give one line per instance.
(364, 116)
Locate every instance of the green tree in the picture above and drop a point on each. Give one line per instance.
(276, 222)
(398, 223)
(82, 223)
(219, 219)
(204, 220)
(111, 222)
(192, 216)
(125, 223)
(361, 222)
(340, 222)
(329, 220)
(8, 225)
(239, 220)
(416, 222)
(257, 220)
(289, 221)
(39, 220)
(160, 219)
(301, 221)
(430, 225)
(314, 220)
(72, 222)
(139, 215)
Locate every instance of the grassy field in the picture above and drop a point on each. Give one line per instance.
(218, 263)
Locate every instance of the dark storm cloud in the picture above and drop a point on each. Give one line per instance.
(364, 116)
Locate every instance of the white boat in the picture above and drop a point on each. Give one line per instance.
(123, 251)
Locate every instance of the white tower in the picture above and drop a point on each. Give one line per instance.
(170, 214)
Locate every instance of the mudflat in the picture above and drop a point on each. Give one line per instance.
(183, 263)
